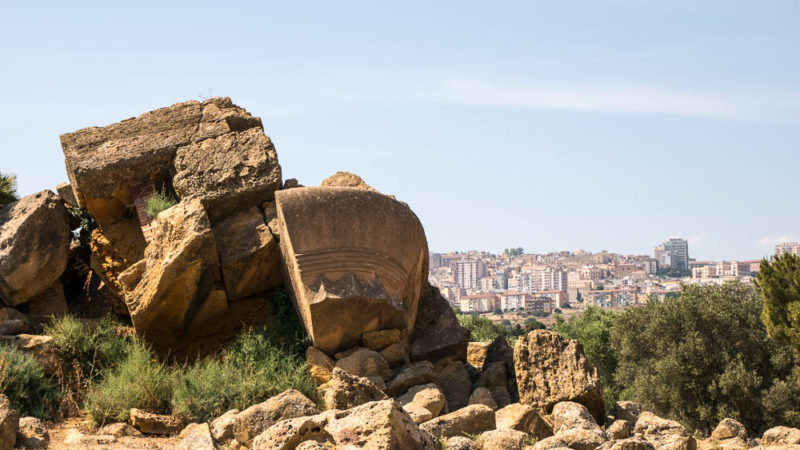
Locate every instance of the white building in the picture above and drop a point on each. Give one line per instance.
(467, 272)
(793, 248)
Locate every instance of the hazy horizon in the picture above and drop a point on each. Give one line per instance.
(601, 125)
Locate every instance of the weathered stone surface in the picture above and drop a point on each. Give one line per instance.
(503, 440)
(460, 443)
(320, 365)
(345, 391)
(500, 352)
(495, 378)
(455, 382)
(619, 429)
(375, 425)
(140, 150)
(347, 179)
(343, 283)
(574, 427)
(571, 415)
(174, 288)
(346, 353)
(110, 259)
(119, 429)
(663, 433)
(482, 396)
(51, 302)
(249, 254)
(230, 173)
(13, 322)
(627, 411)
(423, 402)
(627, 444)
(34, 244)
(196, 436)
(64, 191)
(729, 429)
(472, 419)
(522, 418)
(222, 427)
(32, 433)
(476, 353)
(150, 423)
(437, 333)
(396, 355)
(254, 420)
(365, 363)
(415, 373)
(781, 436)
(551, 369)
(380, 339)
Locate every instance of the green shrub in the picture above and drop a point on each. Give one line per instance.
(8, 189)
(252, 369)
(481, 329)
(159, 201)
(23, 381)
(138, 381)
(779, 282)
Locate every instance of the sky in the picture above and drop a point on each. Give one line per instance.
(548, 125)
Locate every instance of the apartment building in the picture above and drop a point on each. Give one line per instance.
(467, 272)
(792, 248)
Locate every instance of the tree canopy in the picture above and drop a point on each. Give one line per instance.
(8, 189)
(779, 282)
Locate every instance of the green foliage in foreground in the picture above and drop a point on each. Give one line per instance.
(23, 381)
(482, 329)
(159, 201)
(592, 329)
(8, 189)
(779, 282)
(706, 356)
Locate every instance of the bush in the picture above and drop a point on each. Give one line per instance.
(139, 381)
(250, 371)
(779, 282)
(481, 329)
(23, 381)
(8, 189)
(159, 201)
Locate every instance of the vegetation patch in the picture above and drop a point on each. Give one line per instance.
(159, 201)
(23, 381)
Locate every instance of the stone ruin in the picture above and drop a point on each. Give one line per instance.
(353, 260)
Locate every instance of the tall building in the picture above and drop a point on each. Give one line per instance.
(674, 253)
(467, 272)
(435, 260)
(792, 248)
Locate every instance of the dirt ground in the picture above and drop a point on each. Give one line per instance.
(61, 432)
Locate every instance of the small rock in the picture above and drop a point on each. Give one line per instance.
(396, 354)
(472, 419)
(476, 353)
(522, 418)
(781, 436)
(149, 423)
(482, 396)
(380, 339)
(346, 391)
(378, 382)
(627, 444)
(196, 436)
(9, 424)
(729, 429)
(664, 434)
(32, 433)
(320, 365)
(119, 429)
(628, 411)
(365, 363)
(460, 443)
(620, 429)
(503, 440)
(413, 374)
(254, 420)
(222, 426)
(423, 402)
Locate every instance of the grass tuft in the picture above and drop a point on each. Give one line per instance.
(159, 201)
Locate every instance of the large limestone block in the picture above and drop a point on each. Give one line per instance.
(345, 391)
(34, 245)
(232, 172)
(173, 288)
(472, 419)
(355, 261)
(249, 254)
(140, 150)
(551, 369)
(437, 333)
(254, 420)
(663, 433)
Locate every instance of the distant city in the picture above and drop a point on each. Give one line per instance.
(540, 284)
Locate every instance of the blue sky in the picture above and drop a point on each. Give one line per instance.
(597, 124)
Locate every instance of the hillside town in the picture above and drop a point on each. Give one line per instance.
(540, 284)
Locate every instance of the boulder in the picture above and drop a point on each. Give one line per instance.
(627, 411)
(149, 423)
(51, 302)
(495, 378)
(472, 419)
(175, 292)
(500, 352)
(13, 322)
(110, 259)
(196, 436)
(248, 253)
(320, 365)
(729, 429)
(627, 444)
(619, 429)
(476, 353)
(380, 339)
(365, 363)
(411, 375)
(67, 195)
(437, 334)
(254, 420)
(459, 443)
(574, 427)
(455, 382)
(345, 284)
(423, 402)
(32, 433)
(482, 396)
(378, 425)
(232, 172)
(34, 245)
(345, 391)
(503, 440)
(222, 427)
(347, 179)
(571, 415)
(396, 354)
(551, 369)
(781, 436)
(663, 434)
(522, 418)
